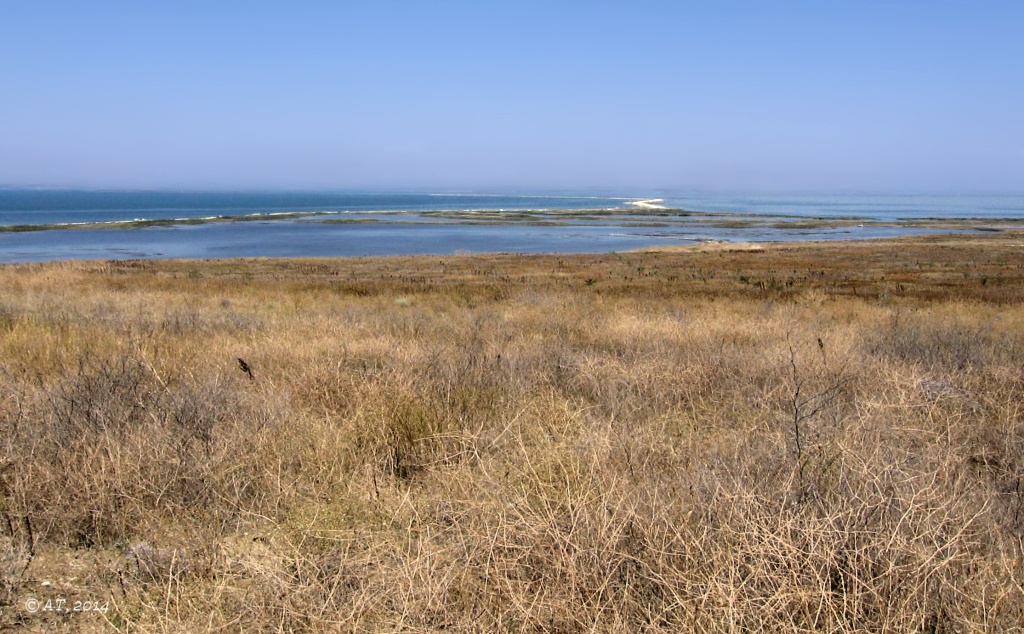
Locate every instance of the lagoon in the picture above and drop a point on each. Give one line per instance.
(52, 225)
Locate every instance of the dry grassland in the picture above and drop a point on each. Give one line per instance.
(807, 437)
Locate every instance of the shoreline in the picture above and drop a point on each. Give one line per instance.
(635, 213)
(984, 267)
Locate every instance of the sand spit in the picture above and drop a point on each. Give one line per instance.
(705, 246)
(648, 203)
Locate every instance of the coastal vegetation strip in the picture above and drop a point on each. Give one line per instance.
(646, 215)
(155, 222)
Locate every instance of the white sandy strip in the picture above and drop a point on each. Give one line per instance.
(649, 203)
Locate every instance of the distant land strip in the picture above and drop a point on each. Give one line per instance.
(647, 214)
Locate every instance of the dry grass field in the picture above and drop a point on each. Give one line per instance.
(788, 438)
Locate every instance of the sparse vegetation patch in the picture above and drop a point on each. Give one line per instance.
(786, 438)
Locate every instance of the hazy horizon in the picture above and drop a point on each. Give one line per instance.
(881, 97)
(625, 193)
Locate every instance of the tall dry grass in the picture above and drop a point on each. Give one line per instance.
(533, 455)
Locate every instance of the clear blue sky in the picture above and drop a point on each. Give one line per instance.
(870, 95)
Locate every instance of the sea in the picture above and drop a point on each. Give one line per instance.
(61, 224)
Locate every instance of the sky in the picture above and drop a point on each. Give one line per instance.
(838, 95)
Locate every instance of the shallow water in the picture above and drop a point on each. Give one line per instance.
(408, 224)
(289, 238)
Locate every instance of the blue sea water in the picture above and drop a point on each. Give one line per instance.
(878, 207)
(25, 206)
(413, 233)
